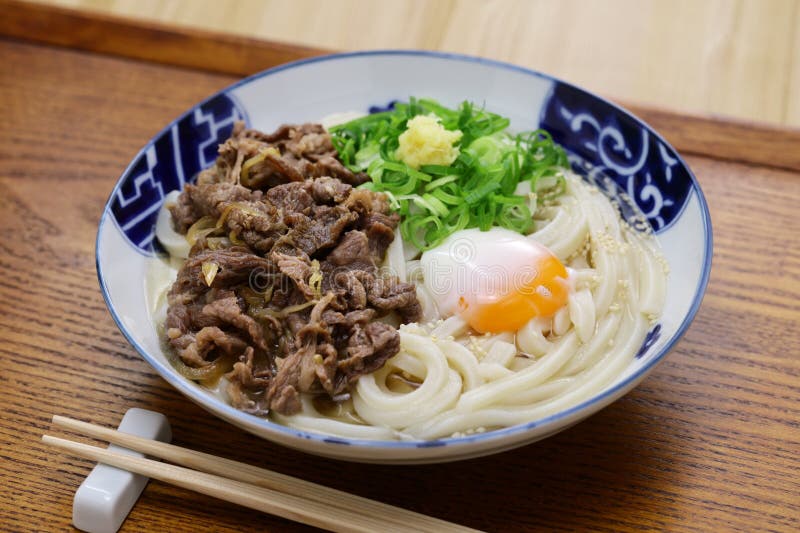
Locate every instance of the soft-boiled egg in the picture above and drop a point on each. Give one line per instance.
(497, 280)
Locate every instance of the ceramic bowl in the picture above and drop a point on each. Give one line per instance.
(601, 138)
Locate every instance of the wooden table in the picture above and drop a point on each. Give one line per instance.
(709, 441)
(737, 58)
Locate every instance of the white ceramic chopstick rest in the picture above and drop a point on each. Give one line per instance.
(108, 494)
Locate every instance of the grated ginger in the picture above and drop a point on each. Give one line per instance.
(426, 142)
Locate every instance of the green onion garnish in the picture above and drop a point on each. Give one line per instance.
(478, 190)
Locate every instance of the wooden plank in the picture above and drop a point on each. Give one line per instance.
(731, 58)
(793, 89)
(148, 41)
(708, 441)
(728, 58)
(716, 137)
(725, 138)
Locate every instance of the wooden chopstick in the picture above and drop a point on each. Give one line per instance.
(247, 485)
(228, 468)
(265, 500)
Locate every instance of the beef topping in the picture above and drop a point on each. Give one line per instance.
(283, 276)
(292, 153)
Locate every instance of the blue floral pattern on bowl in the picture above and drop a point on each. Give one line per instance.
(617, 145)
(177, 155)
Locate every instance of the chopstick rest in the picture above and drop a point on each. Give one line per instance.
(108, 494)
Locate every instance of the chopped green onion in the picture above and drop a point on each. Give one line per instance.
(441, 181)
(437, 170)
(481, 192)
(477, 190)
(444, 196)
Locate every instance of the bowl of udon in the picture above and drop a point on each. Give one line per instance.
(404, 256)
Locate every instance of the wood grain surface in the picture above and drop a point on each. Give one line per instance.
(731, 140)
(739, 58)
(150, 41)
(709, 441)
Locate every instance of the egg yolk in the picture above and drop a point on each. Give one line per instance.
(539, 296)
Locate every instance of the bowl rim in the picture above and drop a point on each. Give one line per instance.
(598, 401)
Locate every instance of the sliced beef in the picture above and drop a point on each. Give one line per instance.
(235, 266)
(212, 199)
(362, 248)
(349, 266)
(353, 251)
(183, 211)
(246, 376)
(368, 349)
(259, 225)
(298, 372)
(286, 279)
(315, 233)
(195, 306)
(327, 190)
(349, 319)
(330, 166)
(194, 348)
(380, 234)
(352, 293)
(202, 326)
(198, 201)
(292, 153)
(390, 294)
(292, 197)
(300, 196)
(297, 268)
(231, 312)
(375, 219)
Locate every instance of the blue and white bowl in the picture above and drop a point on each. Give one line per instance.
(599, 135)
